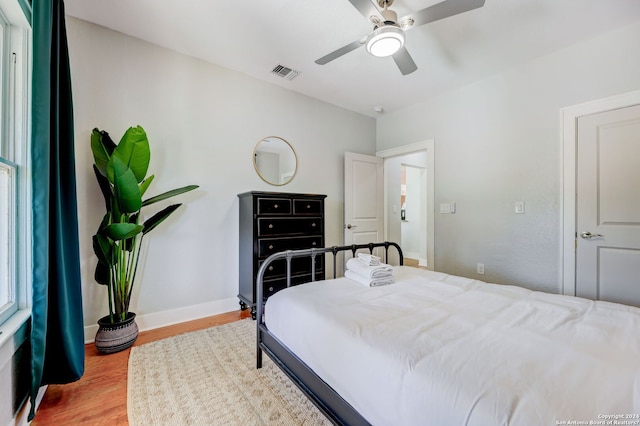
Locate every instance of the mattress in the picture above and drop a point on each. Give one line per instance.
(438, 349)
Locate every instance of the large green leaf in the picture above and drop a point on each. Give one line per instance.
(134, 151)
(102, 147)
(158, 218)
(130, 242)
(105, 187)
(102, 274)
(169, 194)
(144, 185)
(103, 248)
(116, 215)
(125, 185)
(122, 231)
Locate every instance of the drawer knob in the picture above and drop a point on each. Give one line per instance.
(313, 225)
(270, 246)
(271, 226)
(308, 206)
(275, 206)
(271, 268)
(313, 243)
(270, 288)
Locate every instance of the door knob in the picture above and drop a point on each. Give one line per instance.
(588, 235)
(349, 226)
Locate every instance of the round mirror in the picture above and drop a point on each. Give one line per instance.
(275, 160)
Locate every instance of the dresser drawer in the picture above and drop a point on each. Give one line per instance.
(299, 265)
(289, 226)
(269, 246)
(274, 206)
(305, 207)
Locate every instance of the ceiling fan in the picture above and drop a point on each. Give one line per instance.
(387, 37)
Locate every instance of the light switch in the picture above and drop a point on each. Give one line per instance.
(519, 207)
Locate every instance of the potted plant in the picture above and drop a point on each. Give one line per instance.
(121, 173)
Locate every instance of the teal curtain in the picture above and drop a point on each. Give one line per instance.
(26, 8)
(57, 331)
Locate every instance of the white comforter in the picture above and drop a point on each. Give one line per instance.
(435, 349)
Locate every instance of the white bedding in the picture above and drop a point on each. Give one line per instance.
(436, 349)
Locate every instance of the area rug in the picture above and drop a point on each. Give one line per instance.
(209, 377)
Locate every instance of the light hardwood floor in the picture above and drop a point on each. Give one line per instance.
(100, 396)
(410, 262)
(413, 262)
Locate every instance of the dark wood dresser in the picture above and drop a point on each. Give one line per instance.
(271, 222)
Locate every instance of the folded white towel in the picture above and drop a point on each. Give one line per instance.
(381, 270)
(369, 259)
(369, 282)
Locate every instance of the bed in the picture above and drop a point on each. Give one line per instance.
(439, 349)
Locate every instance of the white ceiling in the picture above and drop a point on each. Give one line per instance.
(253, 36)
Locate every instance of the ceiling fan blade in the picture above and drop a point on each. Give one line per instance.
(404, 61)
(366, 7)
(443, 10)
(336, 54)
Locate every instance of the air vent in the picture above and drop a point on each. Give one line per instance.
(285, 72)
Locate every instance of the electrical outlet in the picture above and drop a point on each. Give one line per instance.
(480, 268)
(445, 208)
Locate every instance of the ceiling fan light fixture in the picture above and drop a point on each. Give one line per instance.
(385, 41)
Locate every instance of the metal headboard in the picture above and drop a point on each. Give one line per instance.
(313, 252)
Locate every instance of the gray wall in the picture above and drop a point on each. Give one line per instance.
(203, 122)
(499, 141)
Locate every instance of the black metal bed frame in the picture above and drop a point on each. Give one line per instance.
(333, 406)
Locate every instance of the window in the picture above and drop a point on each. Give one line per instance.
(8, 290)
(14, 150)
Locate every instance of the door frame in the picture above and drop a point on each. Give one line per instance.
(429, 146)
(569, 119)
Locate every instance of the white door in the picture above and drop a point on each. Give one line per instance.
(363, 199)
(608, 206)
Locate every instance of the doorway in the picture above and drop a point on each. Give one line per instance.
(413, 214)
(417, 160)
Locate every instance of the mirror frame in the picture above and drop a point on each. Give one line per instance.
(295, 157)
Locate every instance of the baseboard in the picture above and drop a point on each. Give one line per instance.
(174, 316)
